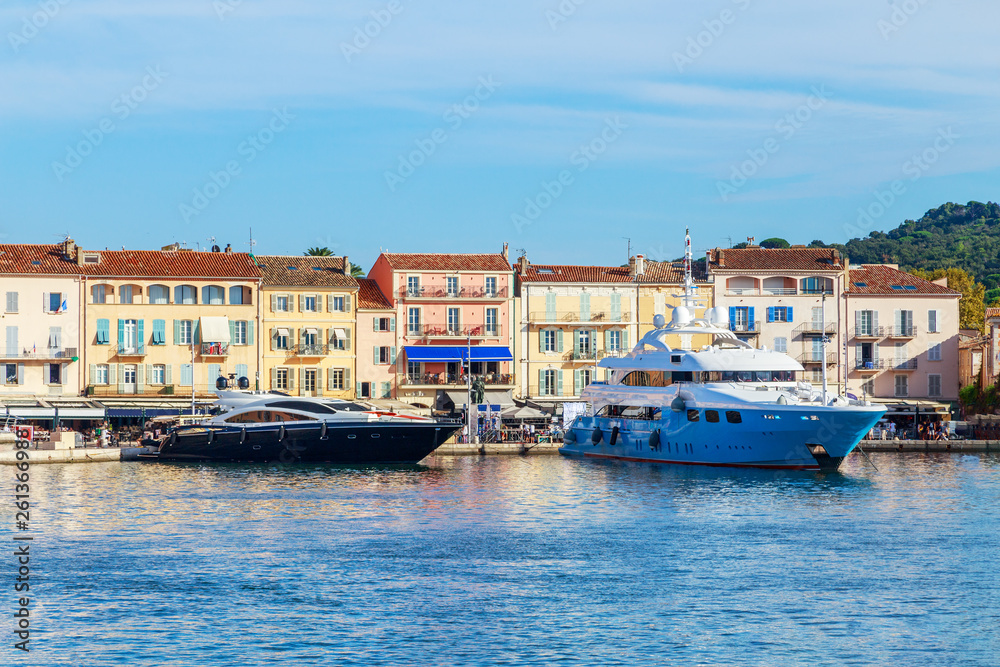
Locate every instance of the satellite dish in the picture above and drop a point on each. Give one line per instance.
(221, 383)
(243, 383)
(659, 321)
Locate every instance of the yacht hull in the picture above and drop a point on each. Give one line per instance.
(307, 443)
(799, 438)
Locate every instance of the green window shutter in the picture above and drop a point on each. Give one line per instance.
(559, 383)
(541, 341)
(607, 340)
(577, 381)
(196, 335)
(159, 332)
(92, 370)
(559, 340)
(375, 349)
(347, 378)
(550, 307)
(392, 354)
(121, 333)
(232, 331)
(168, 374)
(576, 341)
(392, 323)
(140, 328)
(625, 346)
(121, 379)
(250, 324)
(357, 390)
(616, 307)
(177, 332)
(541, 382)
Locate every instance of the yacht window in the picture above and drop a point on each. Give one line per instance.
(682, 376)
(734, 417)
(302, 405)
(648, 379)
(744, 376)
(762, 376)
(693, 415)
(630, 412)
(266, 416)
(675, 358)
(712, 416)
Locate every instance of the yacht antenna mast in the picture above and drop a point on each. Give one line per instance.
(689, 294)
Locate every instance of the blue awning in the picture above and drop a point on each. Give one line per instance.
(457, 353)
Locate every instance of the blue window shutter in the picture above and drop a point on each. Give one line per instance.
(790, 318)
(250, 332)
(732, 315)
(196, 334)
(177, 332)
(140, 336)
(750, 319)
(103, 335)
(121, 332)
(770, 313)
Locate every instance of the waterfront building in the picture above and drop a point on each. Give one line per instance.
(376, 349)
(166, 323)
(444, 305)
(40, 335)
(774, 297)
(992, 359)
(308, 322)
(902, 335)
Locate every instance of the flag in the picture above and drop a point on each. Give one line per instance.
(852, 397)
(63, 307)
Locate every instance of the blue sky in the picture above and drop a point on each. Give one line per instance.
(579, 122)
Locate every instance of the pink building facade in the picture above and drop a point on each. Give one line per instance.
(376, 336)
(447, 305)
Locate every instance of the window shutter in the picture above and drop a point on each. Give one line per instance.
(386, 389)
(791, 317)
(392, 354)
(559, 340)
(140, 334)
(541, 341)
(576, 342)
(625, 340)
(375, 324)
(274, 379)
(347, 303)
(857, 322)
(770, 313)
(750, 320)
(616, 307)
(550, 307)
(357, 391)
(168, 374)
(302, 303)
(140, 378)
(112, 374)
(607, 340)
(92, 374)
(232, 331)
(329, 379)
(45, 302)
(177, 332)
(20, 373)
(375, 349)
(559, 383)
(347, 378)
(250, 324)
(274, 304)
(577, 381)
(584, 307)
(121, 333)
(541, 383)
(732, 316)
(932, 320)
(121, 378)
(347, 345)
(196, 333)
(291, 379)
(274, 339)
(392, 323)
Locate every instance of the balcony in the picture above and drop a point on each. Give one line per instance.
(43, 354)
(586, 355)
(767, 291)
(904, 365)
(869, 332)
(471, 331)
(745, 327)
(897, 331)
(453, 380)
(460, 293)
(215, 349)
(816, 329)
(812, 357)
(137, 350)
(869, 365)
(310, 350)
(132, 390)
(576, 317)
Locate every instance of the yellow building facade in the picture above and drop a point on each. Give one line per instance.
(308, 317)
(660, 290)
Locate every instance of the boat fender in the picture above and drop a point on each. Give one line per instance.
(569, 436)
(614, 435)
(211, 435)
(322, 431)
(281, 433)
(596, 436)
(243, 435)
(172, 440)
(782, 400)
(678, 404)
(654, 440)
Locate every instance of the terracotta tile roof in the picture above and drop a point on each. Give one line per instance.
(551, 273)
(878, 279)
(672, 273)
(370, 296)
(447, 262)
(304, 271)
(172, 264)
(23, 258)
(770, 259)
(992, 312)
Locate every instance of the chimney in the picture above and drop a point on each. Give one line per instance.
(836, 256)
(69, 249)
(505, 252)
(229, 249)
(347, 266)
(721, 261)
(636, 266)
(942, 281)
(522, 264)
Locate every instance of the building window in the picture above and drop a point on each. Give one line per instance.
(159, 294)
(339, 304)
(454, 325)
(158, 374)
(11, 302)
(816, 285)
(125, 293)
(55, 374)
(281, 304)
(236, 296)
(413, 322)
(868, 387)
(384, 324)
(902, 386)
(185, 294)
(492, 322)
(491, 287)
(780, 344)
(281, 378)
(366, 390)
(9, 372)
(934, 352)
(55, 302)
(549, 341)
(281, 339)
(213, 295)
(904, 323)
(336, 379)
(614, 341)
(865, 323)
(934, 385)
(413, 286)
(385, 355)
(309, 338)
(100, 374)
(309, 380)
(309, 304)
(240, 332)
(932, 321)
(452, 286)
(779, 314)
(413, 370)
(100, 294)
(186, 330)
(187, 375)
(548, 387)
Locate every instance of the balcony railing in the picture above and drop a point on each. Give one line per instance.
(869, 364)
(132, 390)
(137, 350)
(745, 327)
(311, 349)
(562, 317)
(586, 355)
(42, 353)
(817, 291)
(490, 379)
(215, 349)
(811, 357)
(897, 331)
(904, 365)
(474, 331)
(444, 293)
(816, 328)
(868, 332)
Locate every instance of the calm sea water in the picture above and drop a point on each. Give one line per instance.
(513, 561)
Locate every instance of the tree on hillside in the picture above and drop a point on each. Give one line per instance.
(775, 242)
(971, 310)
(318, 252)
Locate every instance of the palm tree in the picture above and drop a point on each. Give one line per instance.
(356, 271)
(318, 252)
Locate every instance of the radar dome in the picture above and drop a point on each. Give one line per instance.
(718, 315)
(659, 320)
(682, 315)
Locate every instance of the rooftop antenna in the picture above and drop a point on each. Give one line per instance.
(211, 239)
(251, 243)
(629, 246)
